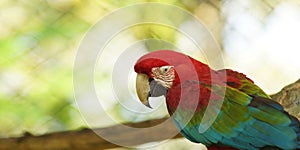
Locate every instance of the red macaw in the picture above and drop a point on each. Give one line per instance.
(247, 118)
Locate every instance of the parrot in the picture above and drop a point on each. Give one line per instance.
(247, 118)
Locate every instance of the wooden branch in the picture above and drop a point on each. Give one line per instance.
(88, 139)
(289, 97)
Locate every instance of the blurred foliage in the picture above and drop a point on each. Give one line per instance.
(36, 67)
(38, 41)
(157, 32)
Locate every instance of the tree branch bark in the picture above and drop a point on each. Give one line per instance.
(88, 139)
(289, 97)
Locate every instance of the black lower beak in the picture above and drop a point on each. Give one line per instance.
(147, 104)
(156, 89)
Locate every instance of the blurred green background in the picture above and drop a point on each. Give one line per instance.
(39, 39)
(38, 42)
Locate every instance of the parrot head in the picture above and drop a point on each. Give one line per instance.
(158, 71)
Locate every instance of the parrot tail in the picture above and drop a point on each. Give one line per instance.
(217, 147)
(295, 124)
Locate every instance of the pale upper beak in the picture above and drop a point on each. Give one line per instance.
(143, 88)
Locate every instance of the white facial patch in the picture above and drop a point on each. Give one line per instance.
(164, 75)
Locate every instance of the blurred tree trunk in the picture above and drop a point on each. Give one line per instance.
(289, 97)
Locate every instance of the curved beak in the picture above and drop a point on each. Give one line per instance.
(143, 88)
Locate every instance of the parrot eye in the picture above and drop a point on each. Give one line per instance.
(165, 69)
(164, 75)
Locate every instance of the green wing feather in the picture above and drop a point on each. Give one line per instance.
(266, 121)
(248, 119)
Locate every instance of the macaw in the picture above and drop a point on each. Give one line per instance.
(247, 118)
